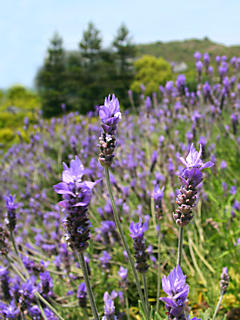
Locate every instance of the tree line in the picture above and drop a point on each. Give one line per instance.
(79, 80)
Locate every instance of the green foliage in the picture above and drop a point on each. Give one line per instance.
(151, 72)
(6, 135)
(20, 98)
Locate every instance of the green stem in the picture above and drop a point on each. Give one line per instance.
(38, 295)
(217, 307)
(180, 246)
(41, 309)
(146, 293)
(118, 224)
(127, 305)
(88, 286)
(159, 268)
(15, 269)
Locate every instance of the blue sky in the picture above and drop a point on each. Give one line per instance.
(26, 26)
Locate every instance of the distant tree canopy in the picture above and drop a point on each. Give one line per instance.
(82, 79)
(51, 79)
(152, 72)
(20, 98)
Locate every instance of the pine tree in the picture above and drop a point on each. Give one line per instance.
(90, 49)
(51, 79)
(124, 54)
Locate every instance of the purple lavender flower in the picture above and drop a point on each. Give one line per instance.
(137, 234)
(49, 314)
(109, 307)
(110, 114)
(234, 118)
(223, 165)
(46, 284)
(123, 273)
(199, 66)
(224, 281)
(158, 196)
(181, 84)
(82, 295)
(197, 55)
(206, 59)
(169, 87)
(148, 104)
(177, 290)
(105, 261)
(190, 177)
(10, 311)
(77, 195)
(11, 212)
(193, 159)
(218, 59)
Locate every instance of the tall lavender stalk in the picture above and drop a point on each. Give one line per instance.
(110, 115)
(223, 289)
(187, 196)
(157, 197)
(77, 195)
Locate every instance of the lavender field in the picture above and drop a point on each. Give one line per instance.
(141, 205)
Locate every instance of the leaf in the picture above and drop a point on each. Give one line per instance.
(206, 315)
(157, 316)
(141, 310)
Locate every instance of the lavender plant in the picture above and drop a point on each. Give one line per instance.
(77, 195)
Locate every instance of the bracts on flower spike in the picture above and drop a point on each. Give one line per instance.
(4, 248)
(190, 177)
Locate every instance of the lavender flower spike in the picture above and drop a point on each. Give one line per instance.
(110, 115)
(190, 177)
(109, 307)
(224, 281)
(137, 233)
(177, 290)
(11, 212)
(82, 295)
(77, 195)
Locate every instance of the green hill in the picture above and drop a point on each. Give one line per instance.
(183, 50)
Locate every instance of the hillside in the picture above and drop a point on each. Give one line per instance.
(183, 50)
